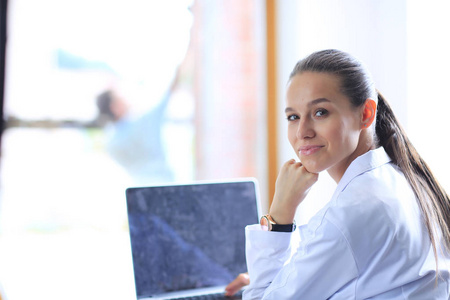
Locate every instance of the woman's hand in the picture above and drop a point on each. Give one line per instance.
(237, 284)
(292, 186)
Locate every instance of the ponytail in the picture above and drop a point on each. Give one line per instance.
(431, 197)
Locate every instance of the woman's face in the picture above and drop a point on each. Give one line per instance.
(323, 127)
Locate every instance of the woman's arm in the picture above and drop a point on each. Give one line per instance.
(321, 266)
(313, 271)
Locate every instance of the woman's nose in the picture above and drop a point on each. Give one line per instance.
(305, 129)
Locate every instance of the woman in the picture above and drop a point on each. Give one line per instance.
(385, 232)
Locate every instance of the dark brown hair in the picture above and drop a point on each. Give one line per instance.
(357, 85)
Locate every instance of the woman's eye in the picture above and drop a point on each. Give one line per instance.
(291, 118)
(321, 112)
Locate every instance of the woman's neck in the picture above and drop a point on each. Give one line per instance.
(365, 144)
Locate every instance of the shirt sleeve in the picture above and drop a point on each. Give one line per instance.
(322, 264)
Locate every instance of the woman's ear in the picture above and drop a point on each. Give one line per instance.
(369, 113)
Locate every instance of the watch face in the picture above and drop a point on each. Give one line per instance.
(264, 223)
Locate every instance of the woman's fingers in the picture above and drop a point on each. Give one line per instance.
(292, 186)
(237, 284)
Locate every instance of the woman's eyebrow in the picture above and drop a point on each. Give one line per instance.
(317, 101)
(312, 103)
(288, 109)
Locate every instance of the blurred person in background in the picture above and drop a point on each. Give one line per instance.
(135, 143)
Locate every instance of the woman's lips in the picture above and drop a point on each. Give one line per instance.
(309, 150)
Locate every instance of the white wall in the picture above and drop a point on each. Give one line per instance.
(373, 31)
(428, 81)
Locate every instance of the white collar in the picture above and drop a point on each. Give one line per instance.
(364, 163)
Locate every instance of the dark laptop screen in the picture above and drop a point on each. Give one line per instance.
(189, 236)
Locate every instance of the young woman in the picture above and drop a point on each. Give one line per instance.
(385, 232)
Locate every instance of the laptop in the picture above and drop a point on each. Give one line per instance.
(189, 239)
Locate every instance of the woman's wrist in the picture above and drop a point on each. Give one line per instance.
(283, 208)
(282, 217)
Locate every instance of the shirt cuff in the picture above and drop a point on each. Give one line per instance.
(268, 239)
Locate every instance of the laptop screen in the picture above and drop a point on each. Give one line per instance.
(189, 236)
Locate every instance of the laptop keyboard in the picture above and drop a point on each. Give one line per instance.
(218, 296)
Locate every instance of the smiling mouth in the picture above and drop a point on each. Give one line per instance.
(309, 150)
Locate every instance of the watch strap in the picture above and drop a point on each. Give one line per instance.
(271, 225)
(284, 227)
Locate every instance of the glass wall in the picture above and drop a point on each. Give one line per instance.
(104, 95)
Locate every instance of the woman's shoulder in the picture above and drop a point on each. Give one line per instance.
(375, 208)
(378, 189)
(379, 196)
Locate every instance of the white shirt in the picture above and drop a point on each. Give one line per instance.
(368, 242)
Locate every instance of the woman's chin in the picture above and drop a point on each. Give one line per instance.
(312, 168)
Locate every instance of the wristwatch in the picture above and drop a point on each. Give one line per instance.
(268, 224)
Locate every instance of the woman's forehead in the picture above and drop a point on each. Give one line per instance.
(309, 86)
